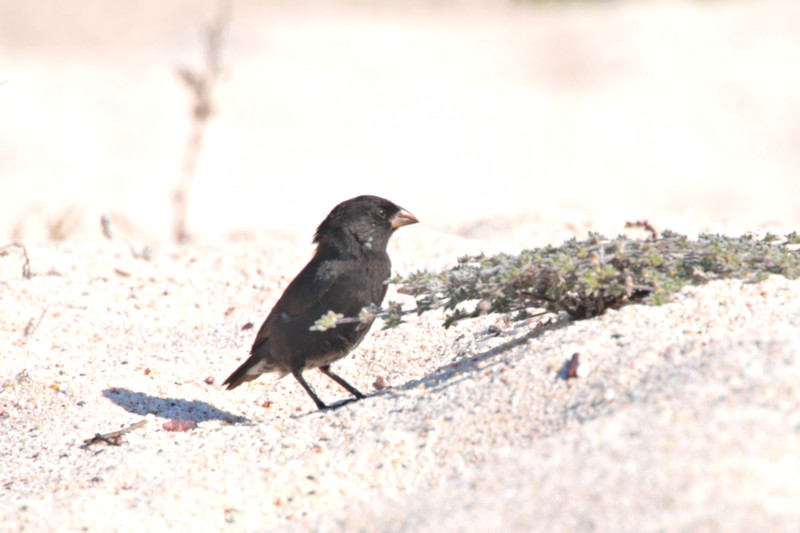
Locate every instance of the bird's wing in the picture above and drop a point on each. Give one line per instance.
(304, 292)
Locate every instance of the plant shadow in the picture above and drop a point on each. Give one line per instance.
(458, 371)
(143, 404)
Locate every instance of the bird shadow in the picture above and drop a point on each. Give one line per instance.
(143, 404)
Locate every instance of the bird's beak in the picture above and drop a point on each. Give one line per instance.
(403, 218)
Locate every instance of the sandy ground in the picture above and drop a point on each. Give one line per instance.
(685, 416)
(499, 126)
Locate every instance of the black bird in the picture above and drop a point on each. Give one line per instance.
(347, 273)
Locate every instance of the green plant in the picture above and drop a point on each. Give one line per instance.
(584, 278)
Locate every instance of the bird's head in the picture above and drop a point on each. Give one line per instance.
(364, 221)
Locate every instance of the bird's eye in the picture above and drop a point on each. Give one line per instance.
(381, 212)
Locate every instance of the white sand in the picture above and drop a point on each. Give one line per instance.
(687, 418)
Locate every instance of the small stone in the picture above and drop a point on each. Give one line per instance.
(572, 366)
(179, 425)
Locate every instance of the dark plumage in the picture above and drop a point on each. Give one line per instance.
(346, 274)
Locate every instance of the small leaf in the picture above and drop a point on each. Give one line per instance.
(326, 321)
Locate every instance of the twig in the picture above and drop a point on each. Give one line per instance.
(112, 438)
(33, 326)
(26, 266)
(201, 86)
(645, 225)
(144, 253)
(61, 225)
(392, 314)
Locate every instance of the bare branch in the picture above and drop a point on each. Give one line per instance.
(26, 265)
(112, 438)
(201, 87)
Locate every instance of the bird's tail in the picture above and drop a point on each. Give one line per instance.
(250, 370)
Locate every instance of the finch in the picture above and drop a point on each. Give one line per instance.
(347, 273)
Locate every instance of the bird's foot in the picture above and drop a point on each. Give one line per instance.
(338, 404)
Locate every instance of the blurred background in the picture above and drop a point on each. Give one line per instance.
(467, 113)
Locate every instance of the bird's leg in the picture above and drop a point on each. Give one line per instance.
(354, 391)
(298, 375)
